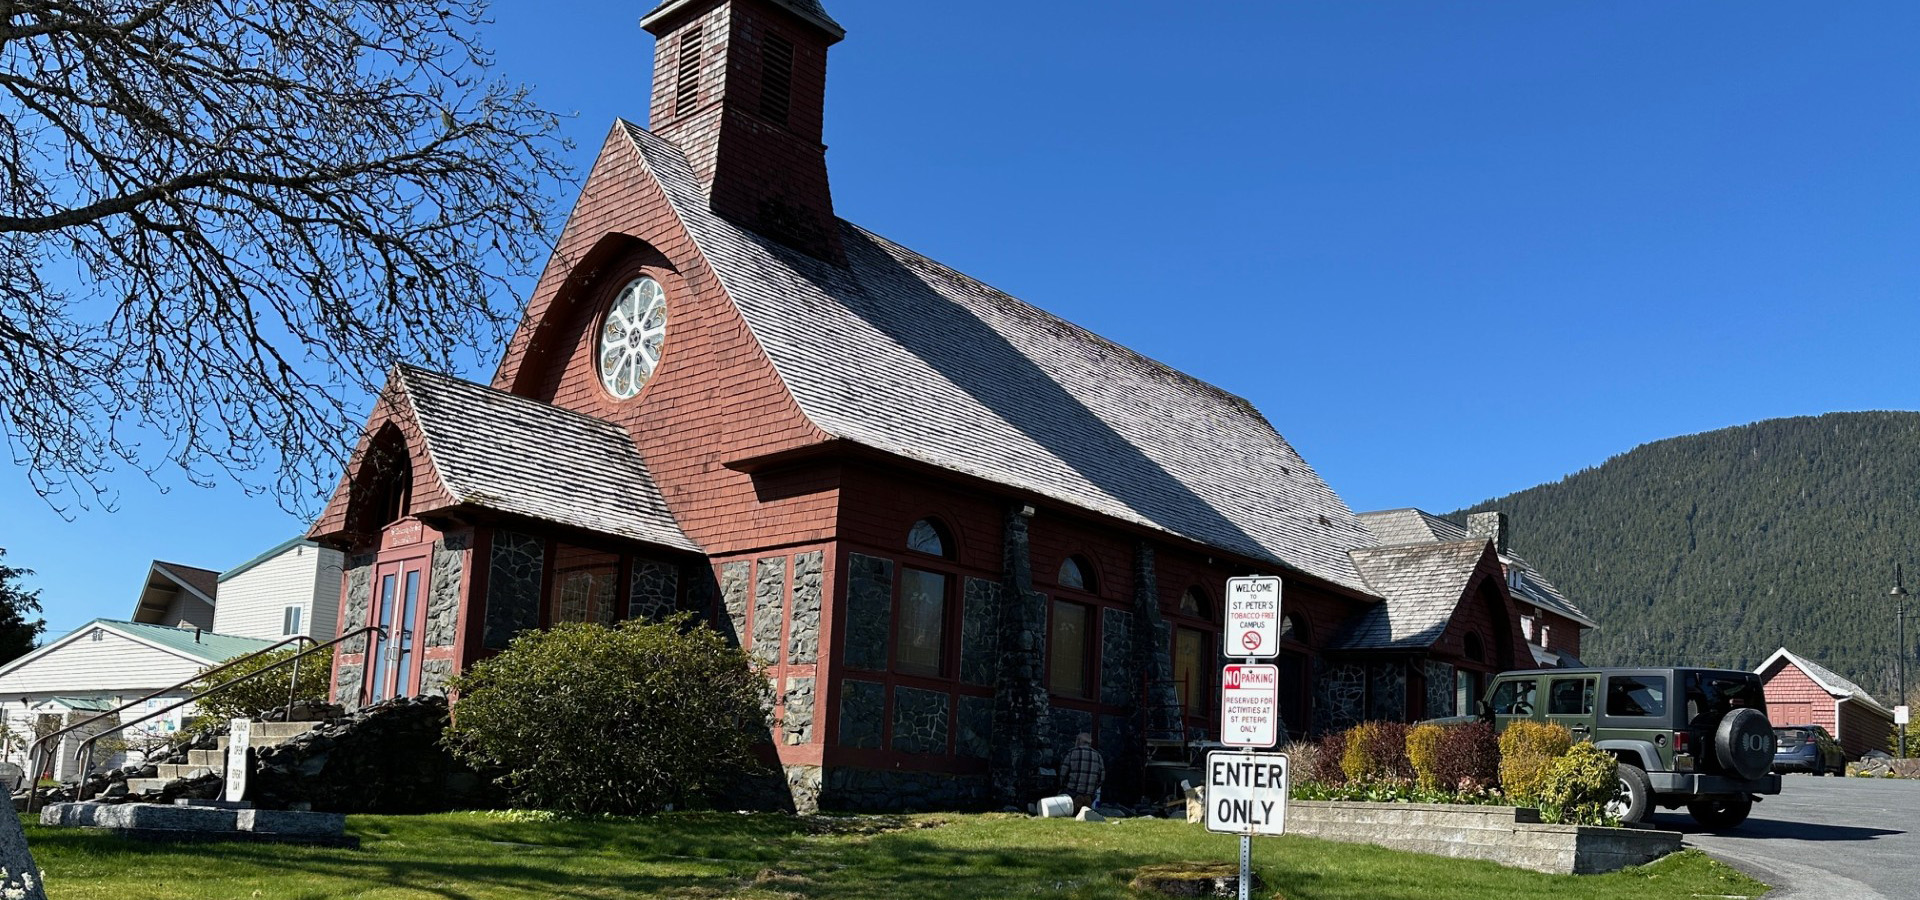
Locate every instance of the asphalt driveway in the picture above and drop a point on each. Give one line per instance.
(1830, 838)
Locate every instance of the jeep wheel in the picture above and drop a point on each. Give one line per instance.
(1635, 798)
(1719, 815)
(1744, 743)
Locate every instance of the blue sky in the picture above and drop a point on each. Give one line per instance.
(1452, 250)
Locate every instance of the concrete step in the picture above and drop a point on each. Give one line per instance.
(143, 785)
(153, 821)
(212, 759)
(268, 734)
(170, 771)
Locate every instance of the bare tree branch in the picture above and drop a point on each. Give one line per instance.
(220, 218)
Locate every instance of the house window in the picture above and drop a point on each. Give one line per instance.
(97, 636)
(585, 586)
(1293, 629)
(1473, 648)
(1193, 668)
(1194, 603)
(1070, 656)
(290, 620)
(1076, 574)
(926, 536)
(1527, 626)
(920, 643)
(1546, 634)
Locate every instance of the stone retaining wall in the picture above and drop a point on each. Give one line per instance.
(1501, 834)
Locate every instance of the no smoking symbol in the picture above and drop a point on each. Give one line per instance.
(1250, 640)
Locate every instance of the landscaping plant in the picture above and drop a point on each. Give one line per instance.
(1527, 752)
(1468, 758)
(1329, 752)
(1423, 752)
(1578, 787)
(627, 719)
(1376, 751)
(269, 691)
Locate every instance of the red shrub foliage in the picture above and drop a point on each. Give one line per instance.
(1469, 757)
(1386, 746)
(1326, 763)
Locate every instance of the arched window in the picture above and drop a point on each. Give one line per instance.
(926, 536)
(1194, 603)
(1475, 650)
(1077, 574)
(1293, 628)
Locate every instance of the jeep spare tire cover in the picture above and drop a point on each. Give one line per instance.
(1744, 743)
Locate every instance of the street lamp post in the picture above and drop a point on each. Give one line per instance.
(1899, 595)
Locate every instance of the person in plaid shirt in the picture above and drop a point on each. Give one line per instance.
(1081, 772)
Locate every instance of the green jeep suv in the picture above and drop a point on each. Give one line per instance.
(1689, 737)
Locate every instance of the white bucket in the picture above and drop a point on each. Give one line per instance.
(1060, 807)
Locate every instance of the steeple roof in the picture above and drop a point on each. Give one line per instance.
(808, 10)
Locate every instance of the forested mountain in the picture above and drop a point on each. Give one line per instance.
(1718, 548)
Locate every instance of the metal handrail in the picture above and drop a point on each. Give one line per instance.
(85, 751)
(35, 761)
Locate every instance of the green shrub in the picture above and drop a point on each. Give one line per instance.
(591, 719)
(1527, 751)
(1468, 759)
(1423, 752)
(1578, 787)
(269, 691)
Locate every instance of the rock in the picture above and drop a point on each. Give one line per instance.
(115, 790)
(1089, 814)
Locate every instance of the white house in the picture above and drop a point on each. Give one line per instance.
(185, 619)
(98, 667)
(291, 589)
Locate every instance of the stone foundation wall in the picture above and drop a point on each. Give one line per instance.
(1501, 834)
(874, 790)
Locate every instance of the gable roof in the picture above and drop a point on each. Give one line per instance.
(203, 647)
(1826, 678)
(166, 581)
(1399, 527)
(1422, 583)
(503, 452)
(900, 354)
(297, 540)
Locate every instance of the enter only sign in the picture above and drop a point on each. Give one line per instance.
(1253, 618)
(1246, 792)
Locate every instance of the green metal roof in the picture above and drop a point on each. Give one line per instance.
(209, 646)
(82, 704)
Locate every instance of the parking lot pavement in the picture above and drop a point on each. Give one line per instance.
(1830, 838)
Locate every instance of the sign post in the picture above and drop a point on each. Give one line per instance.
(1250, 705)
(1253, 618)
(239, 738)
(1246, 795)
(1249, 717)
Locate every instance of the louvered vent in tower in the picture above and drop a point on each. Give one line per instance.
(687, 89)
(776, 78)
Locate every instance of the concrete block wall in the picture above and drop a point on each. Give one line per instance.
(1501, 834)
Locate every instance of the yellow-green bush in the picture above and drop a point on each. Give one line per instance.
(1578, 787)
(1356, 762)
(1527, 751)
(1423, 750)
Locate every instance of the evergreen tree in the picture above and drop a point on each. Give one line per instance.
(17, 635)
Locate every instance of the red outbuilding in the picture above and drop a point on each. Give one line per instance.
(1802, 692)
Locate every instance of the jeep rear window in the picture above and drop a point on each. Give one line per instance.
(1513, 698)
(1711, 696)
(1570, 697)
(1637, 695)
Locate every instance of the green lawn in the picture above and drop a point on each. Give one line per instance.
(470, 856)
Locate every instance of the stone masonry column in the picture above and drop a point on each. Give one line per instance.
(1159, 703)
(1022, 728)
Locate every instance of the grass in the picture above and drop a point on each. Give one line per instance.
(482, 856)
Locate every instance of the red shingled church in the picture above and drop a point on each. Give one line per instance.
(956, 529)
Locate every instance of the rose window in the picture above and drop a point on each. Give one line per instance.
(630, 340)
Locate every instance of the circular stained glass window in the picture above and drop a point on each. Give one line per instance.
(630, 339)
